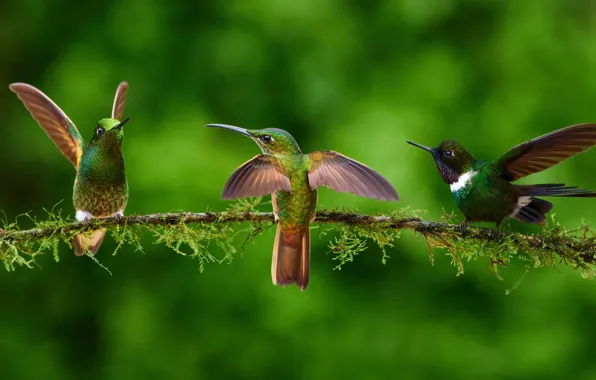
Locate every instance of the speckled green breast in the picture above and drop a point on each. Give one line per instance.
(102, 200)
(299, 207)
(101, 189)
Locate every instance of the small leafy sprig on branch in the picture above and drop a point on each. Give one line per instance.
(197, 232)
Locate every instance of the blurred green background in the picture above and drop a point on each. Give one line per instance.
(359, 77)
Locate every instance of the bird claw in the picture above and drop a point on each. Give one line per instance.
(463, 227)
(119, 217)
(495, 234)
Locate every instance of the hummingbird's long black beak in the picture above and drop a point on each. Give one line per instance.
(420, 146)
(230, 127)
(122, 123)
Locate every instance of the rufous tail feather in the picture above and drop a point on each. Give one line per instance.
(291, 258)
(92, 243)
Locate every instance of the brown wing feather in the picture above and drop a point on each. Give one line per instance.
(52, 120)
(119, 101)
(259, 176)
(546, 151)
(343, 174)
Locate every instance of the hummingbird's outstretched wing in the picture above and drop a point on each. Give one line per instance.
(52, 119)
(258, 176)
(119, 101)
(545, 151)
(343, 174)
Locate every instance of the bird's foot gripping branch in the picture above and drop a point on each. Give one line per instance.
(219, 236)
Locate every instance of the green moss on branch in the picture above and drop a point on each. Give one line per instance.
(193, 234)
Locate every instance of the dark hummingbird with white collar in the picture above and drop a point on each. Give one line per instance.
(483, 190)
(292, 179)
(100, 187)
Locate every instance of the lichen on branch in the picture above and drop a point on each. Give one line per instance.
(193, 234)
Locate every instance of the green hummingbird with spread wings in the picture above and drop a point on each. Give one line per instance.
(292, 179)
(100, 187)
(483, 190)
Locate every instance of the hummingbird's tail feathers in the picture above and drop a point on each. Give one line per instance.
(291, 258)
(534, 210)
(82, 242)
(555, 190)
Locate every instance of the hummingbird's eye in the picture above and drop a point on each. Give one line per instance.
(448, 153)
(99, 131)
(267, 139)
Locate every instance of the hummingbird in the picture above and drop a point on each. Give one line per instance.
(100, 186)
(292, 179)
(483, 190)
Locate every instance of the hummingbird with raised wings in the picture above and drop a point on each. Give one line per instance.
(100, 186)
(292, 179)
(483, 190)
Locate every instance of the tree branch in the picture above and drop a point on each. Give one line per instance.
(576, 248)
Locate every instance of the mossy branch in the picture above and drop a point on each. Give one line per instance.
(576, 248)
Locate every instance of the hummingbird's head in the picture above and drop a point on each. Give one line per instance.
(451, 158)
(270, 140)
(108, 132)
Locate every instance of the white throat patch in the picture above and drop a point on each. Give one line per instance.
(462, 181)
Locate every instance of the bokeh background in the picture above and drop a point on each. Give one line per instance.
(359, 77)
